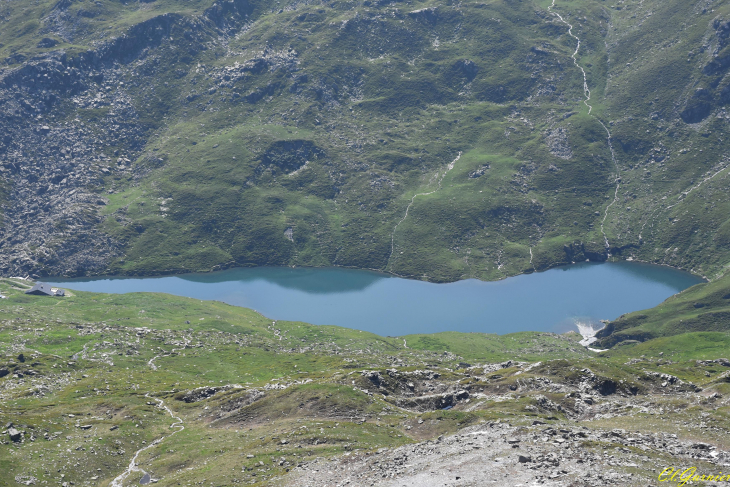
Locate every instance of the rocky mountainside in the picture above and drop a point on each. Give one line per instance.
(428, 139)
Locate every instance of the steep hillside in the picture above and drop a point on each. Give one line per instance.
(436, 140)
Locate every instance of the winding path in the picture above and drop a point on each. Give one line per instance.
(178, 424)
(587, 94)
(119, 481)
(441, 178)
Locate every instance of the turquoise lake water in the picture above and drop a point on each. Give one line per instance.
(554, 300)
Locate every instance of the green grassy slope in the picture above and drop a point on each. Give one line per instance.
(665, 99)
(280, 134)
(81, 377)
(86, 362)
(704, 307)
(377, 122)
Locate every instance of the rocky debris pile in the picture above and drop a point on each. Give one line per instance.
(489, 368)
(431, 402)
(557, 142)
(26, 479)
(552, 456)
(199, 394)
(266, 60)
(419, 390)
(720, 361)
(479, 172)
(202, 393)
(72, 126)
(553, 387)
(706, 99)
(56, 167)
(672, 382)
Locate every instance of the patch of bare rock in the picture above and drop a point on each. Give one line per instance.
(500, 454)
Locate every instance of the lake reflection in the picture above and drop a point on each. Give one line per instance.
(309, 280)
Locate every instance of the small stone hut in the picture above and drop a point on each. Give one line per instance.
(43, 289)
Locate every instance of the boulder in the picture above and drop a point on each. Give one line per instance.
(201, 393)
(14, 435)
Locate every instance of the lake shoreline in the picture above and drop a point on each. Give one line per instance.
(552, 301)
(173, 273)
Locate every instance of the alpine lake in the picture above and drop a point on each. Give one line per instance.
(557, 300)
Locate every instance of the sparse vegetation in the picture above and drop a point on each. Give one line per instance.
(291, 395)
